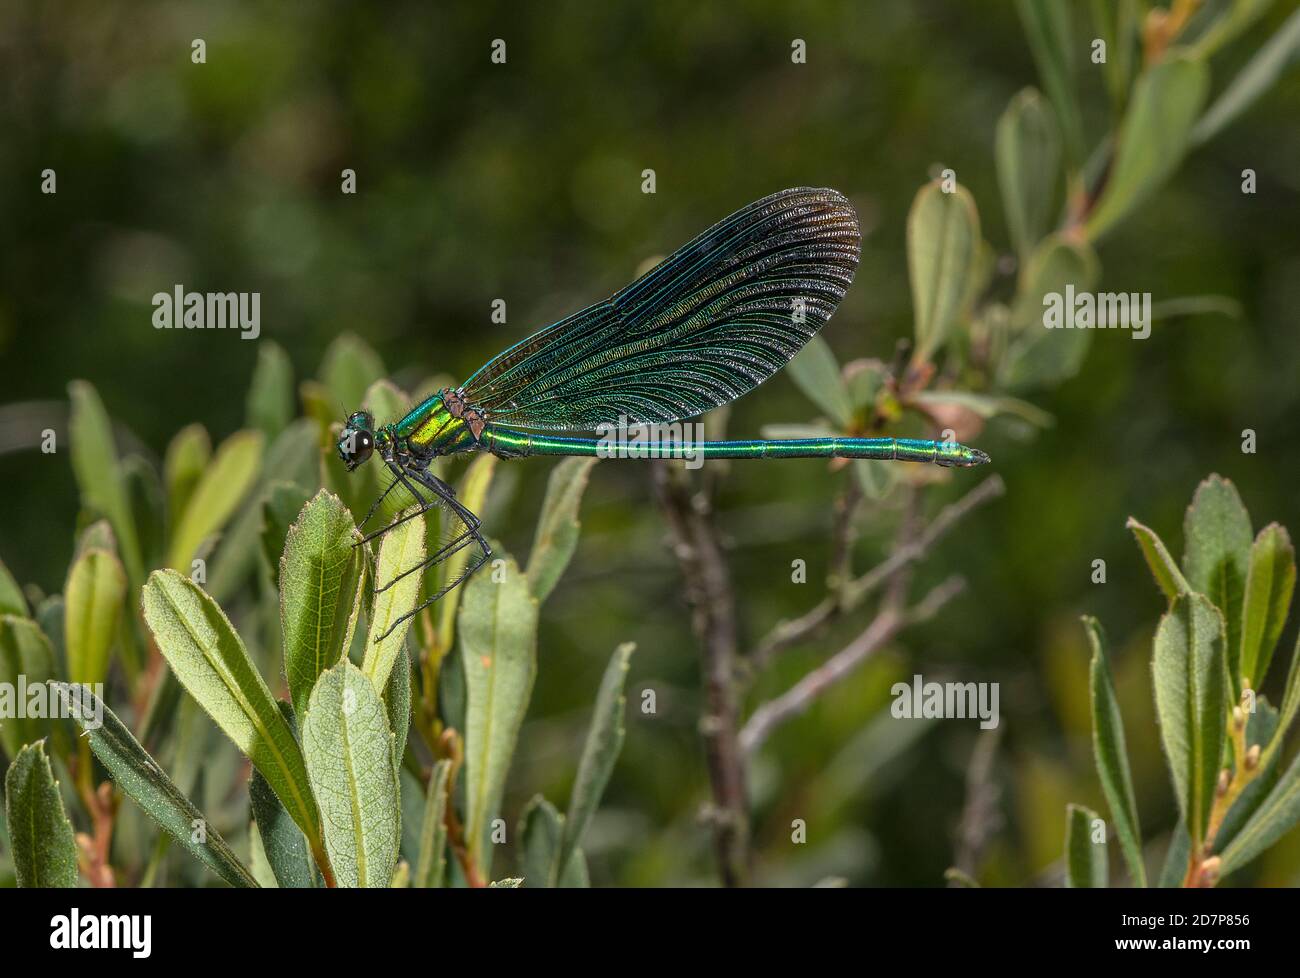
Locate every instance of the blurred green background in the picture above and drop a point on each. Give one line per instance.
(522, 182)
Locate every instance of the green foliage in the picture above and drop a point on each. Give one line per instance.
(557, 531)
(40, 834)
(498, 636)
(321, 578)
(1085, 860)
(348, 747)
(1220, 739)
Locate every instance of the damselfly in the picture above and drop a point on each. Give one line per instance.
(707, 324)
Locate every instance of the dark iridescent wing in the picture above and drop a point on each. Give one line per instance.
(709, 323)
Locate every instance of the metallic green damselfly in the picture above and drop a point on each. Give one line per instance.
(707, 324)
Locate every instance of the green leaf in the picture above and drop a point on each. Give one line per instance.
(942, 232)
(210, 661)
(320, 592)
(816, 372)
(472, 492)
(498, 635)
(1290, 701)
(271, 395)
(99, 474)
(541, 827)
(1270, 582)
(349, 367)
(987, 405)
(26, 657)
(1111, 754)
(93, 597)
(556, 536)
(510, 883)
(1217, 538)
(1274, 818)
(429, 867)
(223, 485)
(283, 843)
(12, 601)
(294, 457)
(1163, 567)
(1050, 33)
(400, 550)
(1085, 860)
(188, 455)
(1174, 868)
(575, 875)
(599, 754)
(1152, 138)
(282, 503)
(876, 478)
(44, 852)
(1028, 151)
(145, 783)
(1190, 672)
(1261, 73)
(397, 701)
(1038, 356)
(349, 757)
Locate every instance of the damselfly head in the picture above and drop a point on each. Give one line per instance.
(357, 440)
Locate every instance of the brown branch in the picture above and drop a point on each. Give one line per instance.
(711, 597)
(888, 623)
(911, 550)
(981, 816)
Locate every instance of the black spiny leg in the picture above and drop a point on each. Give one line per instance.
(442, 494)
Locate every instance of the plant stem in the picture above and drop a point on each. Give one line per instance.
(1202, 865)
(712, 599)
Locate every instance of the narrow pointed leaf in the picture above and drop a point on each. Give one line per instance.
(473, 490)
(283, 843)
(498, 634)
(44, 852)
(93, 601)
(816, 372)
(557, 529)
(188, 455)
(400, 550)
(1270, 582)
(12, 601)
(1111, 754)
(575, 875)
(541, 827)
(1190, 673)
(144, 782)
(99, 473)
(1028, 150)
(210, 661)
(1163, 567)
(942, 232)
(320, 593)
(1085, 860)
(1277, 815)
(349, 367)
(349, 757)
(271, 395)
(599, 754)
(1153, 137)
(1275, 56)
(1217, 538)
(1038, 356)
(430, 865)
(1050, 32)
(228, 478)
(25, 657)
(397, 702)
